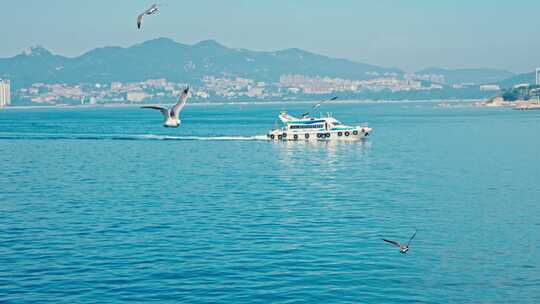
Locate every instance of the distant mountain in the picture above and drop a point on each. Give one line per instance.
(165, 58)
(34, 64)
(476, 76)
(518, 79)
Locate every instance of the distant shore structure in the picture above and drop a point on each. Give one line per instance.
(490, 88)
(522, 96)
(5, 93)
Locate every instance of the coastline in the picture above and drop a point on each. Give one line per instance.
(243, 103)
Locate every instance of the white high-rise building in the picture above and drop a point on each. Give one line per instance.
(538, 76)
(5, 93)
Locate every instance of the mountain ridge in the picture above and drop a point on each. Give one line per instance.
(178, 62)
(518, 79)
(166, 58)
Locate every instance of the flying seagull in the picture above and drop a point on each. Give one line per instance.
(319, 104)
(402, 248)
(172, 115)
(152, 10)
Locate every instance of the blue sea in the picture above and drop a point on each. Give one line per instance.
(104, 205)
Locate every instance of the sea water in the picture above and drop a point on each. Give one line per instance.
(105, 205)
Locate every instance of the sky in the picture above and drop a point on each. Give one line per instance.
(410, 35)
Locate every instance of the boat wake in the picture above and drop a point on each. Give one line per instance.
(128, 137)
(207, 138)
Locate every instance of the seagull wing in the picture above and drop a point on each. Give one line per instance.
(181, 102)
(393, 243)
(150, 11)
(320, 103)
(140, 20)
(163, 110)
(412, 237)
(154, 8)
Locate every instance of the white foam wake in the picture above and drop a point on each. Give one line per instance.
(207, 138)
(48, 136)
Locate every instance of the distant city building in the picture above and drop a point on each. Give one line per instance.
(116, 86)
(228, 87)
(5, 93)
(202, 94)
(538, 76)
(427, 77)
(136, 96)
(521, 86)
(490, 87)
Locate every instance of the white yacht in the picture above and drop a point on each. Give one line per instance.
(310, 128)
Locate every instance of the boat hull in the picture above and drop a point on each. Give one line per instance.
(349, 134)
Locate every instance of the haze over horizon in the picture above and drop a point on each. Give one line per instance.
(408, 35)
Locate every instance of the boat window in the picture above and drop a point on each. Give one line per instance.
(306, 126)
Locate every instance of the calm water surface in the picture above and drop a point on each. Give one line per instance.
(106, 206)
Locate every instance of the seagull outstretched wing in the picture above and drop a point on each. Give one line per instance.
(393, 243)
(153, 9)
(412, 237)
(163, 110)
(320, 103)
(177, 108)
(140, 20)
(315, 106)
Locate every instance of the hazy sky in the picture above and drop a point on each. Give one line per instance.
(408, 34)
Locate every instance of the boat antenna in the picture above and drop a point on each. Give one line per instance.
(318, 105)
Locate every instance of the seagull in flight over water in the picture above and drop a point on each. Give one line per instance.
(152, 10)
(172, 116)
(402, 248)
(318, 105)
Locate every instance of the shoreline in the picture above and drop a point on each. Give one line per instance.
(233, 103)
